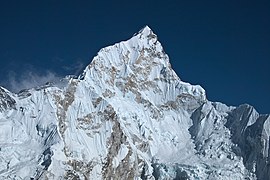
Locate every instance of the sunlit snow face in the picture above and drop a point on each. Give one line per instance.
(128, 115)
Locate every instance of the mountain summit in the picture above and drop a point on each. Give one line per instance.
(129, 116)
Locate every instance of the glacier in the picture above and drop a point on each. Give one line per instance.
(129, 116)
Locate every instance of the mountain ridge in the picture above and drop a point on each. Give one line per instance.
(129, 116)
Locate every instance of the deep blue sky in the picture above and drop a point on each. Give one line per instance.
(222, 45)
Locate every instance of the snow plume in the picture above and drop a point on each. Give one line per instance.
(76, 68)
(29, 79)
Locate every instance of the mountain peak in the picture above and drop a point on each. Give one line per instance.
(142, 62)
(143, 50)
(146, 30)
(129, 117)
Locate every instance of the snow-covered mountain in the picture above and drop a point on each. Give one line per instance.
(129, 116)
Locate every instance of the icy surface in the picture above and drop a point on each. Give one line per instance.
(129, 116)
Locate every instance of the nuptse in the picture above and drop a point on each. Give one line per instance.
(129, 116)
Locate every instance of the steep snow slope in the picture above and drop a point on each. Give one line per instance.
(129, 116)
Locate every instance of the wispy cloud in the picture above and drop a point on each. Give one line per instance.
(30, 77)
(16, 83)
(76, 67)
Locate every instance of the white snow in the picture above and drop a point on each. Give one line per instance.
(128, 106)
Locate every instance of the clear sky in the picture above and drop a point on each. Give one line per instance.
(222, 45)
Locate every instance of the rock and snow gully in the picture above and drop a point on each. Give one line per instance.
(129, 116)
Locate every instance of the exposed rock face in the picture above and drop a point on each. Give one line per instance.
(6, 102)
(129, 116)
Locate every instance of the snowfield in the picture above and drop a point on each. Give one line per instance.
(129, 116)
